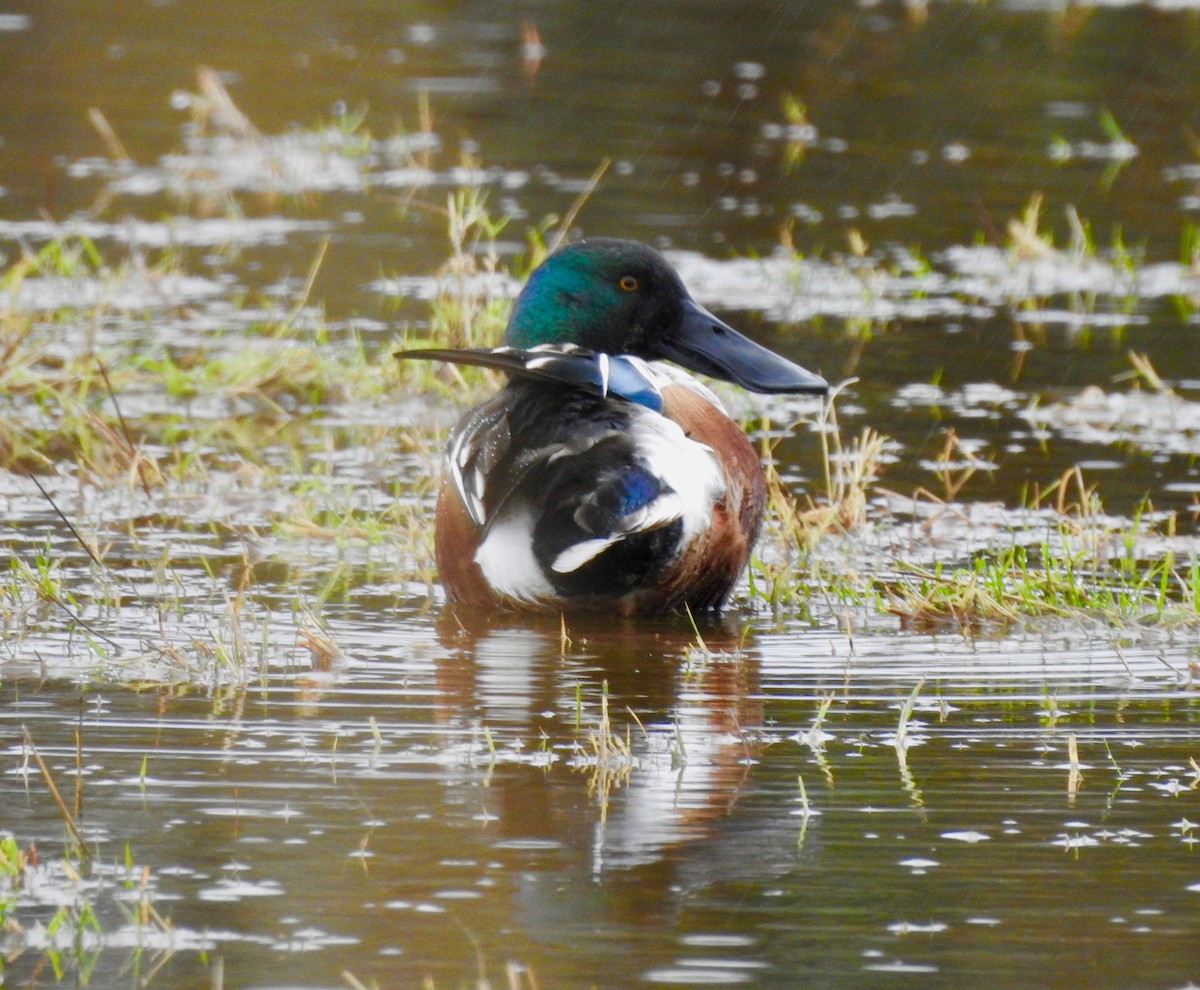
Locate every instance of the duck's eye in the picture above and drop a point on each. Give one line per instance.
(628, 283)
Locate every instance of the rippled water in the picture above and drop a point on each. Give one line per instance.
(435, 795)
(293, 762)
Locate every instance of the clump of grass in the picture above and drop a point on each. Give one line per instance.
(62, 406)
(1085, 565)
(989, 590)
(849, 471)
(605, 756)
(794, 526)
(89, 906)
(13, 863)
(69, 818)
(466, 313)
(797, 132)
(475, 290)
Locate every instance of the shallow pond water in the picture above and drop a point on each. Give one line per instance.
(295, 766)
(441, 798)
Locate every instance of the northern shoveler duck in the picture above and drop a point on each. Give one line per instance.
(599, 478)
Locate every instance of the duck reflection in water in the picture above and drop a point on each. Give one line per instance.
(664, 810)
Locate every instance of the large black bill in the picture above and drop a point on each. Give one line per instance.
(703, 343)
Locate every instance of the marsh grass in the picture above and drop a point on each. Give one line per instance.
(785, 571)
(605, 756)
(152, 430)
(68, 909)
(1079, 563)
(464, 316)
(475, 288)
(158, 429)
(151, 424)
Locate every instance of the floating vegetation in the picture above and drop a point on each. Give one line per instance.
(224, 154)
(1155, 420)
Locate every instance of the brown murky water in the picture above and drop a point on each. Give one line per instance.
(294, 837)
(433, 796)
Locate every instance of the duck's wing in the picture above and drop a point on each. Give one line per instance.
(598, 373)
(574, 495)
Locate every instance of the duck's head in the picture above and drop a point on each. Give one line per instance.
(621, 297)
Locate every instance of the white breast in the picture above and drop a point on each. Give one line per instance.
(688, 468)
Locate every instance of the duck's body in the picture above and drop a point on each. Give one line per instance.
(557, 496)
(598, 478)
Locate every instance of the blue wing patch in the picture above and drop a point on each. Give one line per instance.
(622, 375)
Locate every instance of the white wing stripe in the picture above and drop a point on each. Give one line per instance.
(575, 556)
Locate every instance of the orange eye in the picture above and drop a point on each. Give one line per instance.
(628, 283)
